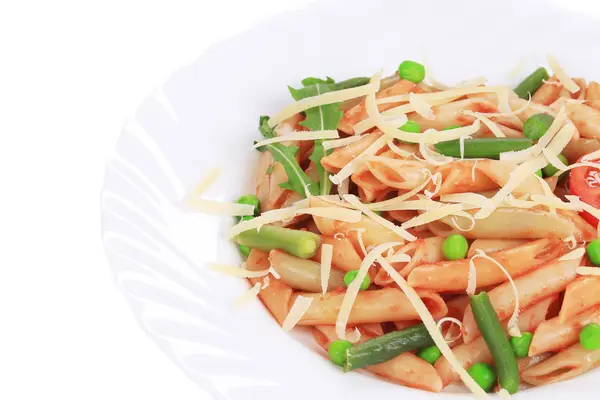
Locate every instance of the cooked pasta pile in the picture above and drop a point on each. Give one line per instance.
(431, 234)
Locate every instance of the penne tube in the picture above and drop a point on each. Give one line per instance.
(463, 177)
(370, 232)
(406, 369)
(277, 295)
(357, 113)
(370, 306)
(453, 276)
(305, 275)
(581, 295)
(586, 119)
(564, 365)
(372, 330)
(452, 113)
(345, 257)
(389, 171)
(494, 245)
(341, 156)
(553, 335)
(518, 223)
(421, 251)
(578, 148)
(538, 284)
(477, 351)
(592, 95)
(548, 92)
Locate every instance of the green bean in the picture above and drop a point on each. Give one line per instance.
(482, 147)
(495, 337)
(532, 83)
(384, 348)
(302, 244)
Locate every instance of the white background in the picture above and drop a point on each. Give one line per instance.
(70, 74)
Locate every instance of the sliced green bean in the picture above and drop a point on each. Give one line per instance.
(350, 83)
(302, 244)
(384, 348)
(495, 337)
(483, 147)
(532, 83)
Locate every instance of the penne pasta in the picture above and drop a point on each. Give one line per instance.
(581, 295)
(462, 177)
(453, 276)
(540, 283)
(371, 306)
(389, 171)
(554, 335)
(277, 296)
(345, 257)
(342, 156)
(406, 369)
(567, 364)
(494, 245)
(548, 92)
(422, 251)
(451, 113)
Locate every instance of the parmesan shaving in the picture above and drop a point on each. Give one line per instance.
(359, 232)
(207, 182)
(339, 236)
(248, 296)
(344, 187)
(326, 257)
(585, 207)
(275, 273)
(337, 96)
(299, 135)
(432, 328)
(475, 199)
(353, 200)
(437, 181)
(389, 205)
(472, 279)
(554, 160)
(455, 92)
(562, 76)
(354, 287)
(454, 321)
(266, 283)
(398, 150)
(570, 241)
(493, 127)
(421, 106)
(332, 144)
(268, 217)
(434, 158)
(592, 156)
(433, 215)
(213, 207)
(503, 394)
(461, 144)
(509, 114)
(513, 322)
(237, 271)
(464, 215)
(573, 255)
(553, 202)
(594, 271)
(298, 309)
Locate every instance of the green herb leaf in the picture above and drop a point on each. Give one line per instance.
(313, 81)
(298, 181)
(316, 156)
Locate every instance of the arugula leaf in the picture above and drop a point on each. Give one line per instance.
(313, 81)
(316, 156)
(298, 181)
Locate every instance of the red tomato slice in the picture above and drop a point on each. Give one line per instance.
(585, 183)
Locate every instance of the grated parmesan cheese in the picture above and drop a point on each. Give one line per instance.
(359, 232)
(493, 127)
(432, 328)
(573, 255)
(594, 271)
(266, 283)
(326, 257)
(213, 207)
(454, 321)
(207, 182)
(298, 309)
(432, 215)
(355, 202)
(248, 296)
(332, 144)
(562, 76)
(455, 92)
(351, 167)
(299, 135)
(326, 98)
(421, 106)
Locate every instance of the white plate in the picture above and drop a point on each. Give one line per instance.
(207, 114)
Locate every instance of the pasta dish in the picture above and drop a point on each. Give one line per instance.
(430, 234)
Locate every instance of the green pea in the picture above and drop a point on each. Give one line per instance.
(484, 375)
(411, 126)
(430, 354)
(455, 247)
(351, 276)
(550, 170)
(411, 71)
(449, 128)
(337, 351)
(589, 337)
(245, 250)
(593, 251)
(539, 173)
(520, 344)
(537, 125)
